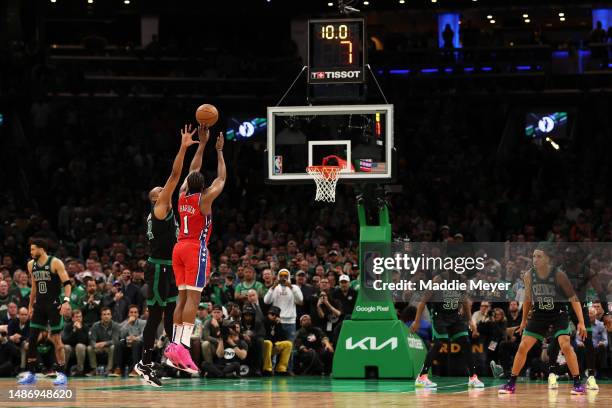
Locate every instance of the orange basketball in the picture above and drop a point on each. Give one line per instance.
(207, 115)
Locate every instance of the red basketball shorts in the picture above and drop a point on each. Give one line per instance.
(191, 264)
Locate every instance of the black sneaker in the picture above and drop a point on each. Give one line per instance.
(148, 374)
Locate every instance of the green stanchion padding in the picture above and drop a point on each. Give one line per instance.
(386, 345)
(374, 337)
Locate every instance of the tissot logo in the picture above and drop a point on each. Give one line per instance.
(370, 343)
(335, 75)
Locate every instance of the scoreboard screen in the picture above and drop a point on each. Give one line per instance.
(336, 51)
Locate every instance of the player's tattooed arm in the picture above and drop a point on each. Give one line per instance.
(567, 288)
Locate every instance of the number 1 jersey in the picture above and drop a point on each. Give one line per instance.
(194, 225)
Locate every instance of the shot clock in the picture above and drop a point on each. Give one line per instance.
(336, 51)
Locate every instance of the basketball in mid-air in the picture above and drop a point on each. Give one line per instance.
(207, 115)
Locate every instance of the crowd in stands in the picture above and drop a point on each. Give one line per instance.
(285, 272)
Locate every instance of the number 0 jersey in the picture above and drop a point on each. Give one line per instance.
(194, 225)
(48, 283)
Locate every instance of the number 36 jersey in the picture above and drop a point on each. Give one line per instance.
(194, 225)
(48, 283)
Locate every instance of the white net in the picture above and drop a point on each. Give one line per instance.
(325, 178)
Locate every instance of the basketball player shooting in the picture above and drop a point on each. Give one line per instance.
(45, 308)
(162, 231)
(190, 258)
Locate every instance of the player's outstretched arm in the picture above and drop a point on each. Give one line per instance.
(217, 185)
(164, 201)
(196, 162)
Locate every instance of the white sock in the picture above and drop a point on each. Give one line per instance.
(186, 334)
(177, 330)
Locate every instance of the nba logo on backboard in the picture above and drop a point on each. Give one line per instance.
(278, 164)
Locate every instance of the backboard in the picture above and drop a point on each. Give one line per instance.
(358, 138)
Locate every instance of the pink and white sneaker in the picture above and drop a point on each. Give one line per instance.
(170, 352)
(180, 358)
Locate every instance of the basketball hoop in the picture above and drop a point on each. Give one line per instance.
(325, 178)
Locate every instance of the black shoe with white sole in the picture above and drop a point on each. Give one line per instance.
(148, 373)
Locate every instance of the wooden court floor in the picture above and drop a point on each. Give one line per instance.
(306, 392)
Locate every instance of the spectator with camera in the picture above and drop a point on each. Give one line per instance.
(329, 312)
(285, 297)
(229, 353)
(314, 351)
(75, 337)
(210, 334)
(346, 295)
(91, 303)
(103, 340)
(276, 342)
(253, 333)
(130, 341)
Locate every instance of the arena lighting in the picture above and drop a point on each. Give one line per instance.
(489, 16)
(53, 1)
(561, 14)
(552, 143)
(402, 1)
(492, 21)
(366, 3)
(527, 20)
(330, 4)
(126, 1)
(561, 18)
(89, 1)
(434, 1)
(525, 15)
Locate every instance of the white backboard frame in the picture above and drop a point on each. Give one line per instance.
(330, 110)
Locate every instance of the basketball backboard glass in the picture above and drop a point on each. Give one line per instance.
(358, 138)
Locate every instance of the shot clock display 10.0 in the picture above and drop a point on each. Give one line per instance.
(336, 51)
